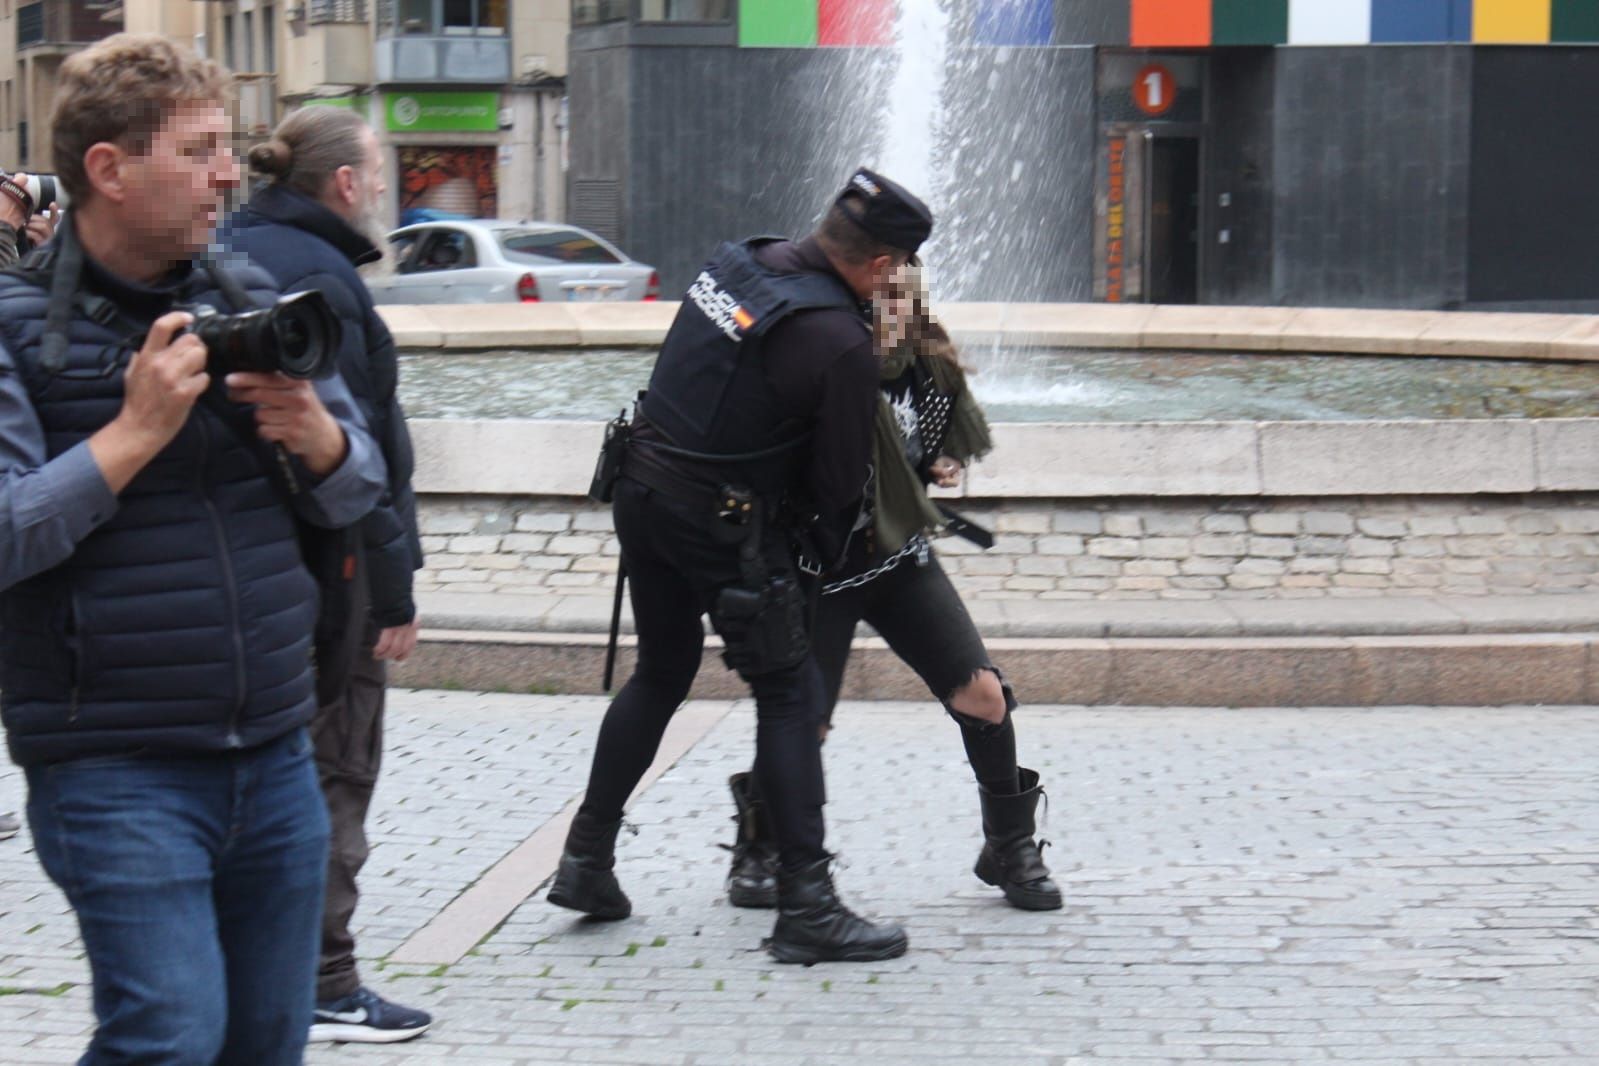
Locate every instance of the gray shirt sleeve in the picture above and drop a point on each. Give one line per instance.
(46, 507)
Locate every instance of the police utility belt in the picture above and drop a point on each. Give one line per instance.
(764, 620)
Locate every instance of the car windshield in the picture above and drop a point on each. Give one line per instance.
(554, 246)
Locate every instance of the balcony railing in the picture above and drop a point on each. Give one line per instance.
(47, 22)
(444, 60)
(324, 11)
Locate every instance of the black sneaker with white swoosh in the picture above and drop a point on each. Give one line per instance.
(364, 1017)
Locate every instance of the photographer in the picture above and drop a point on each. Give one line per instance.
(21, 230)
(155, 673)
(310, 225)
(22, 226)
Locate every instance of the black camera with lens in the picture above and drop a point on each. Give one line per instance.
(298, 337)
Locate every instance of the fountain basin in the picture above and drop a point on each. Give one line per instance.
(1076, 460)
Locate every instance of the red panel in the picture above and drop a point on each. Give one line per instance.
(1171, 23)
(841, 23)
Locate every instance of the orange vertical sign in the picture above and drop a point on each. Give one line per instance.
(1116, 222)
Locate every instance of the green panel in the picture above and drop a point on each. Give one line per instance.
(777, 23)
(436, 112)
(1575, 21)
(1249, 22)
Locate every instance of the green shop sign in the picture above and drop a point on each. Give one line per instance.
(434, 112)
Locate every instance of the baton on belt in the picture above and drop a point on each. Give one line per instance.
(616, 626)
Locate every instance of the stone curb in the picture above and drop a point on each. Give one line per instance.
(1476, 670)
(1376, 616)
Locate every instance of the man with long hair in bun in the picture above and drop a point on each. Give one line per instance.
(928, 427)
(314, 218)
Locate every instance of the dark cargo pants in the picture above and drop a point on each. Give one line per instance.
(348, 737)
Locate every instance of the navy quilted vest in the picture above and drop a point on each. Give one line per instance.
(183, 623)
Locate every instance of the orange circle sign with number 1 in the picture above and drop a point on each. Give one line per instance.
(1154, 90)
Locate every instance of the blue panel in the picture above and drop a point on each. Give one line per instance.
(1420, 21)
(1015, 22)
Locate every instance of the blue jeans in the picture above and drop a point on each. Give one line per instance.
(197, 882)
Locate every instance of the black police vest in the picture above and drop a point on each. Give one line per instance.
(182, 622)
(708, 392)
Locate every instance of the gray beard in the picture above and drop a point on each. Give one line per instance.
(370, 225)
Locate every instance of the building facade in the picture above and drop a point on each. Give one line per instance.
(1379, 153)
(34, 38)
(467, 96)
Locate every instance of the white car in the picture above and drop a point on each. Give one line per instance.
(492, 261)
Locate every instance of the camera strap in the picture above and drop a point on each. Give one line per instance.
(64, 288)
(23, 198)
(233, 291)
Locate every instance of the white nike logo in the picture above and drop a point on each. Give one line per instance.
(353, 1017)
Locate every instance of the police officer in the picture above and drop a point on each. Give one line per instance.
(929, 427)
(757, 422)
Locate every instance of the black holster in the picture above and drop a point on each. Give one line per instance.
(763, 620)
(613, 451)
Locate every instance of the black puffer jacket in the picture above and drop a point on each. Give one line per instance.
(303, 245)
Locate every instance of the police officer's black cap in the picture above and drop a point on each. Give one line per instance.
(886, 211)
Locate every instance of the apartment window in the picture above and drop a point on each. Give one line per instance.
(686, 11)
(594, 12)
(247, 50)
(416, 16)
(269, 39)
(466, 17)
(229, 54)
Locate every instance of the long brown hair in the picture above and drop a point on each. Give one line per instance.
(309, 146)
(924, 333)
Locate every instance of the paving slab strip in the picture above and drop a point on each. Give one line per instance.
(478, 911)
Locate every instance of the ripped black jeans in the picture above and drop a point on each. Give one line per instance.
(918, 612)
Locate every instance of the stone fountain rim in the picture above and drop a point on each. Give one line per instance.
(1241, 330)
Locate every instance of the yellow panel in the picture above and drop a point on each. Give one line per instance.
(1510, 21)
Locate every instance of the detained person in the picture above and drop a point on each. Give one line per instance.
(928, 428)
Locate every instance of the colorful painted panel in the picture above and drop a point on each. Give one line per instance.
(452, 181)
(1420, 21)
(1015, 22)
(1511, 21)
(777, 23)
(1193, 23)
(1171, 23)
(1329, 22)
(1574, 21)
(1249, 21)
(845, 23)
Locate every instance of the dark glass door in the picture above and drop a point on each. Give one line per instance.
(1173, 220)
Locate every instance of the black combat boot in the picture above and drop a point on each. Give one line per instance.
(752, 882)
(584, 881)
(1010, 857)
(813, 926)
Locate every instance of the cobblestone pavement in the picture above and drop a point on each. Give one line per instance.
(1396, 886)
